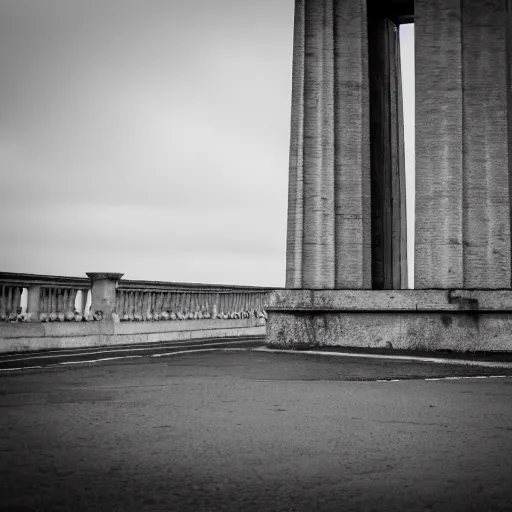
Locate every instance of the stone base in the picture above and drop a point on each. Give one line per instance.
(458, 320)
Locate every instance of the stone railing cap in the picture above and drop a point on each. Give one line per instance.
(94, 276)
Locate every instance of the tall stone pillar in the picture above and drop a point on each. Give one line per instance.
(389, 228)
(463, 130)
(329, 217)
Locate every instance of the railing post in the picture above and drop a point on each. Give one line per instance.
(34, 302)
(103, 293)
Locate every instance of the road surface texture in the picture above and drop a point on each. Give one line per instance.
(247, 430)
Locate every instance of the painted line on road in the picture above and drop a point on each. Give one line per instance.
(114, 350)
(438, 360)
(135, 346)
(201, 350)
(447, 378)
(67, 363)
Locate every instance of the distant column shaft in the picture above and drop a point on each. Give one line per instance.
(389, 227)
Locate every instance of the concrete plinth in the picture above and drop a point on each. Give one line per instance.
(459, 320)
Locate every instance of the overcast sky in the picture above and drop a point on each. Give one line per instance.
(148, 137)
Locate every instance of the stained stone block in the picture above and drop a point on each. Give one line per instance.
(459, 320)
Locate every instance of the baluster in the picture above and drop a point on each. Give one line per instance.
(216, 306)
(195, 308)
(150, 306)
(167, 302)
(83, 304)
(144, 306)
(157, 306)
(65, 298)
(60, 304)
(247, 304)
(225, 304)
(179, 305)
(3, 305)
(141, 305)
(199, 306)
(130, 308)
(204, 302)
(43, 314)
(49, 302)
(15, 304)
(188, 298)
(122, 296)
(193, 305)
(8, 309)
(231, 304)
(234, 307)
(172, 305)
(254, 304)
(163, 298)
(70, 306)
(137, 307)
(188, 309)
(53, 304)
(185, 304)
(124, 304)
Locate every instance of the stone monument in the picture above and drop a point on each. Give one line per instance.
(346, 266)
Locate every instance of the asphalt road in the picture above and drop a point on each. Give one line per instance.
(254, 431)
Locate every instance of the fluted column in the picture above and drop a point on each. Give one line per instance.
(463, 127)
(329, 238)
(389, 228)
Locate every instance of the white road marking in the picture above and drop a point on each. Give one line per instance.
(198, 350)
(232, 349)
(25, 368)
(439, 360)
(448, 378)
(97, 360)
(152, 344)
(127, 349)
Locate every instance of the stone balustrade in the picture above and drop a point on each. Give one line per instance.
(10, 302)
(45, 312)
(178, 301)
(54, 298)
(49, 298)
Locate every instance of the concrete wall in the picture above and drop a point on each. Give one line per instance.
(458, 320)
(23, 337)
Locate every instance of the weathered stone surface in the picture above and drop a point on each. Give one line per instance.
(462, 144)
(329, 239)
(103, 293)
(399, 331)
(21, 337)
(412, 330)
(396, 300)
(407, 319)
